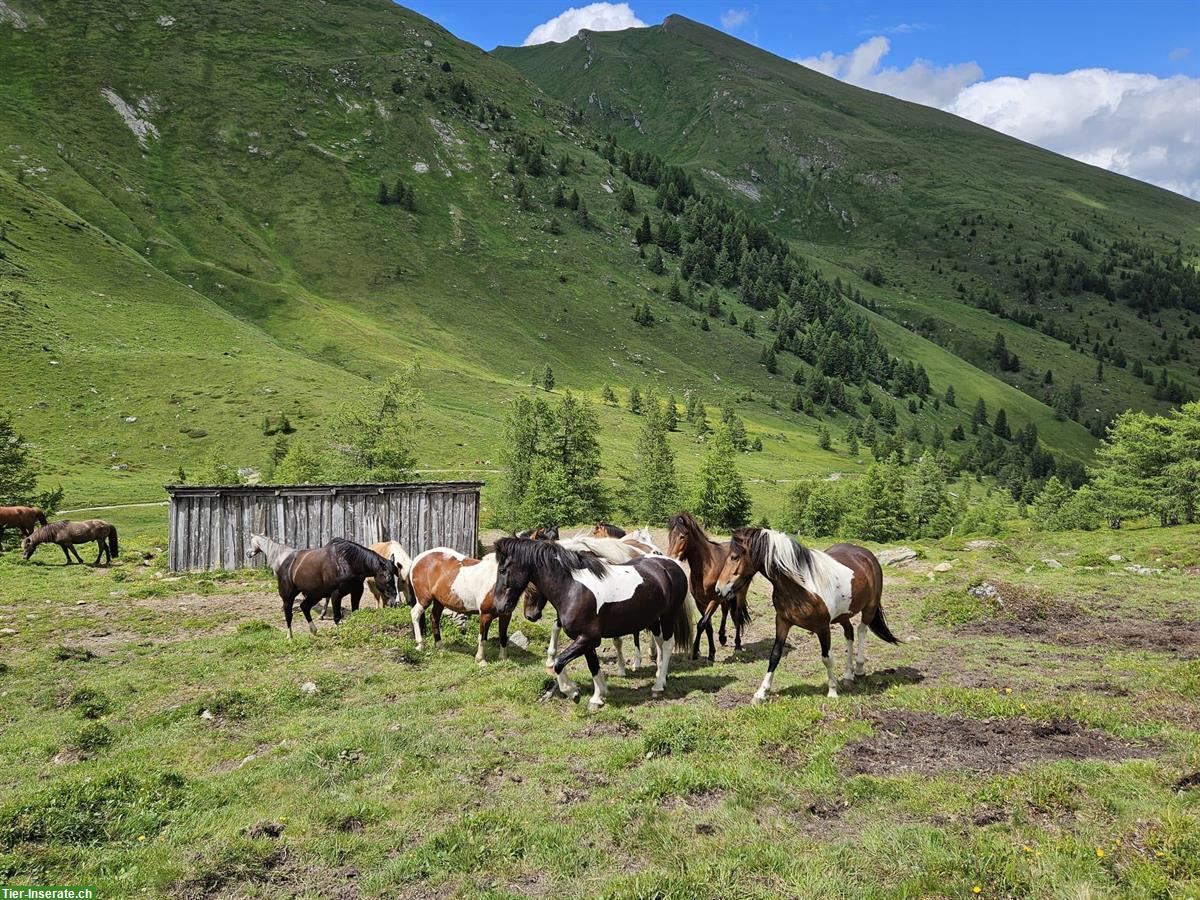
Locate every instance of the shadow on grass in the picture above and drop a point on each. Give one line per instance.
(871, 683)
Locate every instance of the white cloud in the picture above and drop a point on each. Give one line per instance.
(593, 17)
(1138, 125)
(1179, 54)
(921, 81)
(734, 18)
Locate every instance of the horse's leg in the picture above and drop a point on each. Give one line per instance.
(599, 686)
(306, 606)
(355, 596)
(664, 644)
(67, 554)
(705, 619)
(552, 647)
(860, 660)
(576, 648)
(77, 556)
(724, 616)
(781, 632)
(712, 648)
(621, 673)
(637, 650)
(288, 601)
(435, 618)
(848, 631)
(336, 601)
(485, 621)
(504, 620)
(826, 642)
(418, 620)
(99, 552)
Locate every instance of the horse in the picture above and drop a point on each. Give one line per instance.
(595, 600)
(67, 534)
(705, 558)
(607, 529)
(442, 578)
(540, 533)
(612, 550)
(23, 518)
(813, 590)
(331, 572)
(397, 554)
(641, 539)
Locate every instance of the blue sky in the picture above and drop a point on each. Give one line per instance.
(1115, 84)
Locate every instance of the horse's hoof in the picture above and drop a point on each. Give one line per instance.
(712, 657)
(481, 662)
(721, 638)
(758, 699)
(575, 696)
(593, 705)
(313, 630)
(832, 695)
(547, 696)
(860, 673)
(655, 695)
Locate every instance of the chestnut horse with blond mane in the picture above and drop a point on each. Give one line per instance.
(813, 590)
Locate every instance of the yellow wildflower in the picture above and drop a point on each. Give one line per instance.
(1100, 852)
(977, 890)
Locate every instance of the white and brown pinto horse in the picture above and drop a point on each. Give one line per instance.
(596, 600)
(813, 590)
(443, 578)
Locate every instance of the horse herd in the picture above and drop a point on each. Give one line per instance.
(35, 531)
(605, 585)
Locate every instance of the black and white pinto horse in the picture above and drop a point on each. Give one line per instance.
(596, 600)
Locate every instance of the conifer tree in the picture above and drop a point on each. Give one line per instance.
(671, 413)
(653, 487)
(635, 401)
(547, 378)
(720, 499)
(608, 395)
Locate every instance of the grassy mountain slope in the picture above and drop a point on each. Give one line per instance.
(873, 184)
(213, 171)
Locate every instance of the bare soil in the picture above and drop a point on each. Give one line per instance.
(910, 741)
(1180, 637)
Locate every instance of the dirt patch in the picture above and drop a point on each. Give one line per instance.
(1188, 782)
(909, 741)
(697, 801)
(1180, 637)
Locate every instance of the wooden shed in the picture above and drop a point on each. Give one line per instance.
(210, 527)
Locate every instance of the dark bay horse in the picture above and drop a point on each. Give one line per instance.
(595, 600)
(331, 572)
(813, 590)
(442, 578)
(705, 558)
(68, 534)
(541, 533)
(607, 529)
(23, 518)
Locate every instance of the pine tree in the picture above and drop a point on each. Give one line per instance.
(608, 395)
(573, 201)
(653, 487)
(674, 294)
(558, 198)
(768, 359)
(656, 264)
(671, 413)
(824, 441)
(18, 483)
(950, 400)
(720, 500)
(374, 431)
(383, 197)
(644, 235)
(635, 401)
(582, 215)
(878, 512)
(925, 495)
(979, 415)
(851, 442)
(573, 447)
(1000, 425)
(628, 201)
(547, 378)
(702, 427)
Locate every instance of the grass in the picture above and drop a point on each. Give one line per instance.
(173, 750)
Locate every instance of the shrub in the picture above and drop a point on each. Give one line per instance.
(90, 703)
(93, 736)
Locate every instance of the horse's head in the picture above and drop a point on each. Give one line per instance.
(678, 534)
(27, 547)
(514, 569)
(389, 582)
(744, 560)
(256, 545)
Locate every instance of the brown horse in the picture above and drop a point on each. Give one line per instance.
(331, 572)
(68, 534)
(441, 579)
(396, 553)
(705, 558)
(607, 529)
(23, 518)
(813, 590)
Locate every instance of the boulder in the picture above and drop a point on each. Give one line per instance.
(943, 567)
(894, 555)
(1052, 564)
(982, 544)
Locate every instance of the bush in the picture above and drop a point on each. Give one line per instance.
(93, 736)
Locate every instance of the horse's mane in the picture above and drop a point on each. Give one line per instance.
(358, 555)
(47, 533)
(685, 520)
(547, 554)
(775, 551)
(613, 530)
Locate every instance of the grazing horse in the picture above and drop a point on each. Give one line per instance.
(596, 600)
(331, 572)
(397, 554)
(813, 590)
(23, 518)
(442, 578)
(607, 529)
(68, 534)
(705, 558)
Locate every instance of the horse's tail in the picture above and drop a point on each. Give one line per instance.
(879, 626)
(685, 622)
(112, 541)
(410, 594)
(39, 516)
